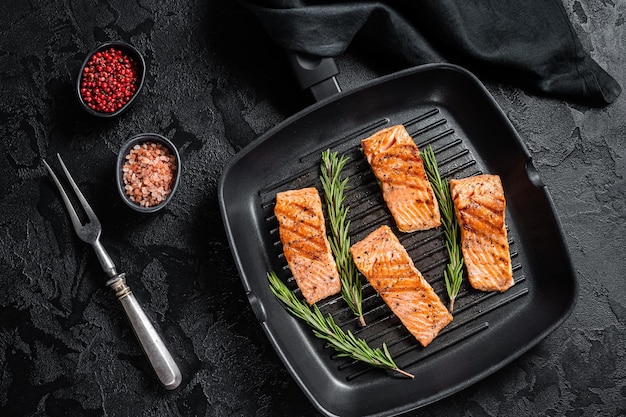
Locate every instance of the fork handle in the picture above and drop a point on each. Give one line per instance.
(160, 358)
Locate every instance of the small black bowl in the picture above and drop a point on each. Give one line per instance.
(121, 159)
(129, 51)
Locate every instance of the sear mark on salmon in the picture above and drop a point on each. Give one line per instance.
(303, 234)
(479, 205)
(396, 163)
(385, 263)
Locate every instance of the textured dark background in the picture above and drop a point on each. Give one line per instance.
(215, 82)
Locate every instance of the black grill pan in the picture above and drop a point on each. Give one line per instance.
(444, 106)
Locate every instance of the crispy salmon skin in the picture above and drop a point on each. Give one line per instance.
(479, 205)
(396, 162)
(385, 263)
(305, 245)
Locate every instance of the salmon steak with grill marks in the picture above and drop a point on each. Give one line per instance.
(396, 163)
(386, 264)
(302, 232)
(479, 206)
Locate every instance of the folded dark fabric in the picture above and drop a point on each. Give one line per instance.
(530, 43)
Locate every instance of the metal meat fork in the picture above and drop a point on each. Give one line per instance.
(162, 362)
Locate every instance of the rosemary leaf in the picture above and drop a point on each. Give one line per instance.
(346, 344)
(453, 273)
(334, 195)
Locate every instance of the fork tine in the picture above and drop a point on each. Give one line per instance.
(68, 204)
(83, 201)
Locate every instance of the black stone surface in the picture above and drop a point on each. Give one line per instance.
(215, 82)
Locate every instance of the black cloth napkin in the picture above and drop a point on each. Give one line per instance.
(527, 43)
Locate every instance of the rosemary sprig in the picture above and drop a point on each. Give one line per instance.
(453, 273)
(334, 194)
(346, 344)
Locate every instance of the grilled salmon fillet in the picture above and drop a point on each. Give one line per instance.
(305, 245)
(385, 263)
(396, 162)
(479, 206)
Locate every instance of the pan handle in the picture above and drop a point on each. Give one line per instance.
(315, 74)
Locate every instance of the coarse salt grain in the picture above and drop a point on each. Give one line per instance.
(149, 173)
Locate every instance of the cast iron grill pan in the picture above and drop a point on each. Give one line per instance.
(447, 108)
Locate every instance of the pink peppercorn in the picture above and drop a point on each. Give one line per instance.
(109, 80)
